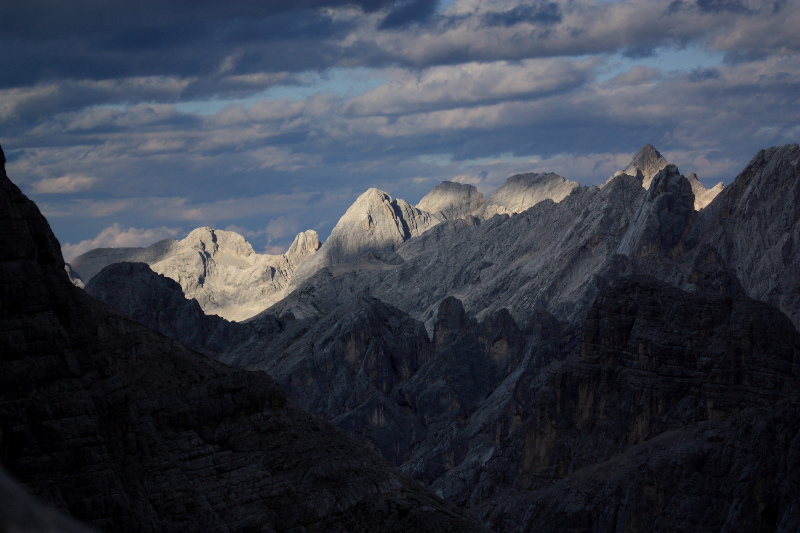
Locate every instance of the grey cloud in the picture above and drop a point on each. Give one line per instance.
(472, 84)
(533, 13)
(327, 149)
(703, 74)
(96, 39)
(217, 44)
(727, 6)
(408, 12)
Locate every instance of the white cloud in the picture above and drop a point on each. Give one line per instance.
(115, 236)
(65, 184)
(282, 227)
(471, 83)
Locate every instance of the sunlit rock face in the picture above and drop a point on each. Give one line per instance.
(129, 431)
(230, 279)
(703, 196)
(375, 223)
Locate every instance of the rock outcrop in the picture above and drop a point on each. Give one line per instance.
(754, 228)
(128, 431)
(664, 217)
(703, 196)
(375, 222)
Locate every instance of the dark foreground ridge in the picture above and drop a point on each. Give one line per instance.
(126, 430)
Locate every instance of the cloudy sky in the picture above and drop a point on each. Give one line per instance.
(128, 122)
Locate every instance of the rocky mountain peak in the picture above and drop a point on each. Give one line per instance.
(451, 320)
(523, 191)
(375, 222)
(452, 200)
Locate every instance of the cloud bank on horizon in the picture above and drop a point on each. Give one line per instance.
(133, 121)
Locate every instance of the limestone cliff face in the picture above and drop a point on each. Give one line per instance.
(376, 224)
(663, 218)
(128, 431)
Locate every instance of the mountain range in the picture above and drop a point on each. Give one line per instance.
(123, 429)
(554, 358)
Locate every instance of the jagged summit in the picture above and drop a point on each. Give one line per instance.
(304, 245)
(452, 200)
(523, 191)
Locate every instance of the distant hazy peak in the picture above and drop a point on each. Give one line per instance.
(646, 164)
(452, 200)
(523, 191)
